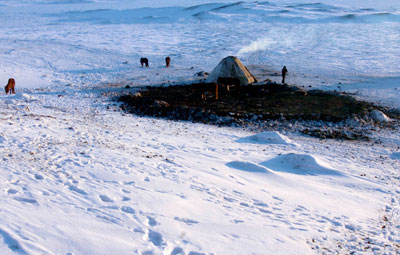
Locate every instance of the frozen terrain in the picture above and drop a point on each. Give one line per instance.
(84, 42)
(78, 176)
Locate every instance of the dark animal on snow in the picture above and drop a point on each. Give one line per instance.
(144, 61)
(167, 61)
(10, 87)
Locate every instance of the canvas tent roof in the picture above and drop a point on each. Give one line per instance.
(231, 67)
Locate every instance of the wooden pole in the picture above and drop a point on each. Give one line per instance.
(216, 91)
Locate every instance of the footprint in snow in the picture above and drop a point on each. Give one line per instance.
(244, 204)
(106, 199)
(12, 191)
(38, 177)
(195, 253)
(151, 221)
(186, 221)
(127, 209)
(261, 204)
(77, 190)
(11, 243)
(277, 198)
(155, 237)
(177, 251)
(26, 200)
(265, 211)
(229, 199)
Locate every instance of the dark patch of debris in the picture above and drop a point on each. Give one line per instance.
(271, 106)
(343, 134)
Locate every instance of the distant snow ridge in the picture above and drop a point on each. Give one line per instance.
(269, 137)
(302, 164)
(232, 12)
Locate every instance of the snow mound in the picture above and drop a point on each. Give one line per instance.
(27, 98)
(303, 164)
(379, 116)
(269, 137)
(247, 167)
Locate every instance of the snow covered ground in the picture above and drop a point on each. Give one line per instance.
(81, 177)
(78, 178)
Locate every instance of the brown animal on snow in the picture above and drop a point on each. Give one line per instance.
(10, 87)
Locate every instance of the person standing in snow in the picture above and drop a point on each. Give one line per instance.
(284, 72)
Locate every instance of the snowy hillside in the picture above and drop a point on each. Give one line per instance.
(79, 176)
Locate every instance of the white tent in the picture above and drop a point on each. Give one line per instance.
(231, 67)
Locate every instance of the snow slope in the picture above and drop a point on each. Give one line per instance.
(78, 178)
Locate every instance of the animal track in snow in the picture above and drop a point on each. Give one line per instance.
(155, 237)
(128, 209)
(12, 243)
(26, 200)
(151, 221)
(106, 199)
(177, 251)
(12, 191)
(38, 177)
(258, 203)
(77, 190)
(186, 221)
(195, 253)
(125, 199)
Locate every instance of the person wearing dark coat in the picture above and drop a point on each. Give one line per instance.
(167, 61)
(284, 72)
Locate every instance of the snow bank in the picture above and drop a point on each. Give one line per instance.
(379, 116)
(302, 164)
(248, 167)
(268, 137)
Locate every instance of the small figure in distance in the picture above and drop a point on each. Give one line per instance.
(144, 61)
(10, 87)
(284, 72)
(167, 61)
